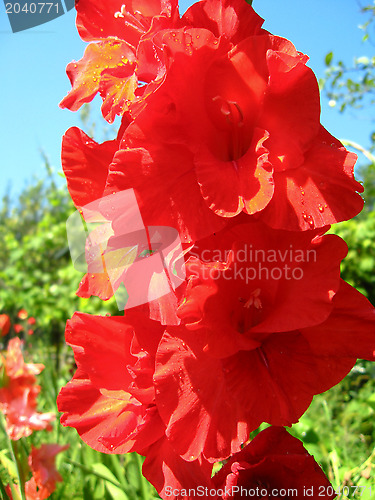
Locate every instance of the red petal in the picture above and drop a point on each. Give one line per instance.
(233, 19)
(166, 195)
(101, 348)
(350, 329)
(291, 109)
(251, 186)
(308, 300)
(97, 284)
(274, 383)
(96, 20)
(273, 459)
(209, 405)
(117, 89)
(98, 417)
(168, 472)
(311, 195)
(99, 70)
(193, 401)
(85, 164)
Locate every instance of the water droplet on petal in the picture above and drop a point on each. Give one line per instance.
(309, 220)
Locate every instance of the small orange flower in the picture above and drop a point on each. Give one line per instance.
(22, 314)
(45, 474)
(18, 394)
(4, 324)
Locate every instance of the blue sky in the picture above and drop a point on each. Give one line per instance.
(33, 79)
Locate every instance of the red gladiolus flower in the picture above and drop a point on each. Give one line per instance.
(121, 52)
(31, 321)
(250, 352)
(18, 394)
(220, 141)
(222, 152)
(21, 415)
(45, 475)
(19, 374)
(273, 465)
(253, 280)
(4, 324)
(209, 405)
(110, 412)
(111, 398)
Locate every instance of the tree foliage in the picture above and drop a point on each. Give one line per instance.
(352, 87)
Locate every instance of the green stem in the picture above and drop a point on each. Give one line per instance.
(15, 492)
(13, 452)
(118, 470)
(142, 480)
(94, 473)
(20, 474)
(2, 491)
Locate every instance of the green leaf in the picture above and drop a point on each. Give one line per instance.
(371, 401)
(328, 58)
(8, 464)
(115, 492)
